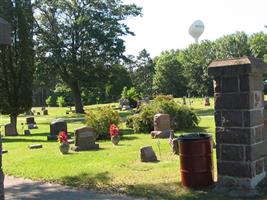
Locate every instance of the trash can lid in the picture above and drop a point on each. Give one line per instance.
(193, 136)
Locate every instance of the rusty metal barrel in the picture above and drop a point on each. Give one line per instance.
(196, 164)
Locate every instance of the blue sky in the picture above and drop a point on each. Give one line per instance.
(165, 23)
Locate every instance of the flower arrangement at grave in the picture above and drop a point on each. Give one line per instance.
(114, 134)
(63, 141)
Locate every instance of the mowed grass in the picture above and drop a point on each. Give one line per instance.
(111, 168)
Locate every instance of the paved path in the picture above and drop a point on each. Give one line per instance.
(22, 189)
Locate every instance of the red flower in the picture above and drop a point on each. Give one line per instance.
(62, 137)
(113, 130)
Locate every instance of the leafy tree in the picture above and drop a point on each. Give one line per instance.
(79, 38)
(258, 44)
(143, 73)
(168, 77)
(118, 79)
(232, 46)
(16, 61)
(195, 60)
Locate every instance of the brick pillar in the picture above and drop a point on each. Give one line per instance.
(240, 136)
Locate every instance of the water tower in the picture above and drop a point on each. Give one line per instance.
(196, 29)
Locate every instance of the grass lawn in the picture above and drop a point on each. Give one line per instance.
(112, 168)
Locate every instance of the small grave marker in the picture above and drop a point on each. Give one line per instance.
(147, 154)
(35, 146)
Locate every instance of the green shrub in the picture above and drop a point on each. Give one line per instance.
(130, 94)
(48, 101)
(100, 119)
(181, 117)
(61, 101)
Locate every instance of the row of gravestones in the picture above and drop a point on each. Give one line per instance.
(206, 101)
(84, 137)
(44, 112)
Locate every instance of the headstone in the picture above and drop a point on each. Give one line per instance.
(55, 127)
(126, 107)
(184, 100)
(27, 132)
(45, 112)
(241, 142)
(30, 120)
(147, 154)
(162, 127)
(4, 151)
(32, 126)
(35, 146)
(85, 138)
(10, 130)
(207, 101)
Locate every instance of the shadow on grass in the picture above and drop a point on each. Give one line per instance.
(204, 112)
(87, 180)
(172, 191)
(23, 139)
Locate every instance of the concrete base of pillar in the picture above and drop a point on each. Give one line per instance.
(239, 187)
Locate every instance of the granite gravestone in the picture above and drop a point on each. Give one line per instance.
(207, 101)
(147, 154)
(45, 112)
(85, 138)
(55, 127)
(162, 127)
(31, 123)
(10, 130)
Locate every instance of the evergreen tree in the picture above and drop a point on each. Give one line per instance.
(16, 60)
(143, 74)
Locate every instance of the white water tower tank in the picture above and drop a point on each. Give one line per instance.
(196, 29)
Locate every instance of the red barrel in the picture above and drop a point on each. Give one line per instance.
(196, 163)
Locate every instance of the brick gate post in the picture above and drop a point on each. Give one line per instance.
(240, 136)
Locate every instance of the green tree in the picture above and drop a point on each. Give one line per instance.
(81, 37)
(143, 74)
(17, 60)
(258, 44)
(195, 60)
(168, 77)
(118, 78)
(232, 46)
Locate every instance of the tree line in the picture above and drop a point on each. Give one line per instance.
(74, 49)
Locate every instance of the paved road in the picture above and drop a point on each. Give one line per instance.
(22, 189)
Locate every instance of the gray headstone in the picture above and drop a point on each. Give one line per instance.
(147, 154)
(30, 120)
(55, 127)
(85, 138)
(27, 132)
(10, 130)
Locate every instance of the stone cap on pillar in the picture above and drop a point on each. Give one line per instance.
(237, 66)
